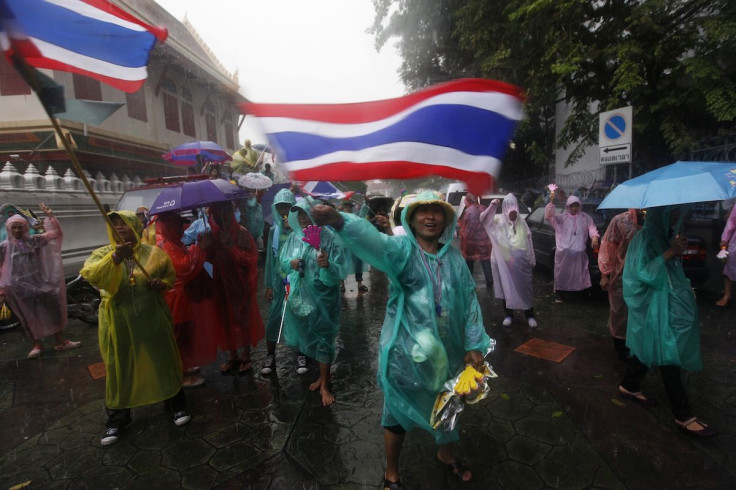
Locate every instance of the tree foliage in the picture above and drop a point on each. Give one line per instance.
(672, 60)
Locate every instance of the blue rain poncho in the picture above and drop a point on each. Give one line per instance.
(312, 315)
(419, 350)
(274, 276)
(663, 326)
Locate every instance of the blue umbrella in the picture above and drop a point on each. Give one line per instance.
(678, 183)
(196, 151)
(190, 195)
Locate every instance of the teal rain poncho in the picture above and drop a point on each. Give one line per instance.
(251, 216)
(663, 326)
(274, 276)
(135, 331)
(312, 316)
(419, 351)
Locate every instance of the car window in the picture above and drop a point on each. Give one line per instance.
(536, 218)
(456, 197)
(136, 198)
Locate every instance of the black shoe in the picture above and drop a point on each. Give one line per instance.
(111, 436)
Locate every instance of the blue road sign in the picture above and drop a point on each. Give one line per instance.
(615, 127)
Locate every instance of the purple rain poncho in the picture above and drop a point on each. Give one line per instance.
(32, 277)
(614, 245)
(571, 237)
(512, 259)
(728, 236)
(474, 242)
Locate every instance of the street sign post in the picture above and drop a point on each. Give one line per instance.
(614, 136)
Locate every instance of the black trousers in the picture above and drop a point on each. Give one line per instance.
(672, 379)
(486, 264)
(119, 418)
(529, 313)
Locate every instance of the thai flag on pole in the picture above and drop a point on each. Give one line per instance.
(90, 37)
(324, 190)
(459, 130)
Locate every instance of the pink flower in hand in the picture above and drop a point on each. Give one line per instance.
(312, 235)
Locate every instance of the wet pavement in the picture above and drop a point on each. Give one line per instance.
(545, 424)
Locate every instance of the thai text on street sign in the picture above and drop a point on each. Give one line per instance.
(614, 136)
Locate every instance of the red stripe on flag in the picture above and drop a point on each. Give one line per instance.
(161, 33)
(478, 182)
(363, 112)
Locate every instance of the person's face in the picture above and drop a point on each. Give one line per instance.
(123, 230)
(428, 221)
(283, 208)
(574, 208)
(513, 214)
(141, 215)
(16, 229)
(304, 220)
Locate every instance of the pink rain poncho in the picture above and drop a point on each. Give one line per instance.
(611, 256)
(512, 259)
(729, 236)
(474, 242)
(32, 277)
(571, 238)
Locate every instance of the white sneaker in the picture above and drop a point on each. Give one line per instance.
(532, 322)
(507, 321)
(269, 364)
(111, 436)
(301, 365)
(182, 418)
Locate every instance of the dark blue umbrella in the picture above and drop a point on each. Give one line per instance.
(190, 195)
(195, 152)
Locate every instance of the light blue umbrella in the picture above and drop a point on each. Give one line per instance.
(678, 183)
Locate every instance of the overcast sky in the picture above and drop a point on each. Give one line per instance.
(295, 51)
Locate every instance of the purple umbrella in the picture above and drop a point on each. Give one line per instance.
(191, 153)
(190, 195)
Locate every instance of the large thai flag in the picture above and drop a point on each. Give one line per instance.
(90, 37)
(459, 130)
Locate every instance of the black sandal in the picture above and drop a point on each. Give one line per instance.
(245, 366)
(230, 367)
(458, 469)
(391, 485)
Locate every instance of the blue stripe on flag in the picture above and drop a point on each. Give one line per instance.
(468, 129)
(84, 35)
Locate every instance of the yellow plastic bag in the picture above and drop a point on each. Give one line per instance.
(5, 313)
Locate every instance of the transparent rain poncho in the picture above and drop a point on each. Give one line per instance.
(419, 349)
(512, 258)
(571, 239)
(135, 331)
(312, 316)
(251, 216)
(663, 325)
(474, 242)
(611, 259)
(729, 236)
(32, 277)
(274, 277)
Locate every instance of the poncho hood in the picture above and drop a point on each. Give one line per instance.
(133, 223)
(284, 196)
(431, 197)
(294, 219)
(17, 218)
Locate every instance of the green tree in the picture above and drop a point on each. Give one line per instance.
(670, 59)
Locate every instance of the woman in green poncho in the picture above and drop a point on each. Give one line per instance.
(312, 315)
(663, 327)
(433, 323)
(274, 277)
(135, 331)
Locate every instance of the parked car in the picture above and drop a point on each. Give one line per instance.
(543, 237)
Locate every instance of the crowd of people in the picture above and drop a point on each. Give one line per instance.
(175, 293)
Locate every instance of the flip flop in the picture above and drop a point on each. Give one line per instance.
(230, 367)
(458, 469)
(245, 365)
(391, 485)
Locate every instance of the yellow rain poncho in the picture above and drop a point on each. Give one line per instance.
(419, 349)
(312, 316)
(135, 331)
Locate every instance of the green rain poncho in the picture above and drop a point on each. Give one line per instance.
(663, 326)
(313, 309)
(251, 216)
(419, 350)
(274, 276)
(135, 332)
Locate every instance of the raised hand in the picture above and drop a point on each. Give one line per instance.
(312, 235)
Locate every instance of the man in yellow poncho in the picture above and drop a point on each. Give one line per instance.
(245, 159)
(135, 331)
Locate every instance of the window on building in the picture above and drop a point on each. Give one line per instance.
(210, 121)
(171, 105)
(229, 139)
(86, 88)
(136, 104)
(187, 113)
(11, 83)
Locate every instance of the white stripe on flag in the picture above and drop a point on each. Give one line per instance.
(94, 13)
(503, 104)
(404, 151)
(87, 63)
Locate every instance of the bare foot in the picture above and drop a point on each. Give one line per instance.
(327, 397)
(723, 301)
(457, 468)
(316, 385)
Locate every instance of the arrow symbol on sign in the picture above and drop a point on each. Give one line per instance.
(616, 148)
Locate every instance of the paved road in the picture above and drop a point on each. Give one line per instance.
(546, 424)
